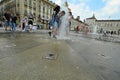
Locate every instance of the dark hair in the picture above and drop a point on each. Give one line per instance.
(63, 12)
(70, 13)
(57, 9)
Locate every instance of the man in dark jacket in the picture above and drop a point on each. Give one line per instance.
(7, 17)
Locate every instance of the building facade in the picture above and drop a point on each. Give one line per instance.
(103, 25)
(78, 25)
(41, 9)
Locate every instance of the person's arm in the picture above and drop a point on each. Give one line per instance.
(4, 17)
(70, 18)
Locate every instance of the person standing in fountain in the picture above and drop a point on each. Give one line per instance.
(14, 18)
(7, 17)
(23, 23)
(59, 22)
(30, 22)
(53, 22)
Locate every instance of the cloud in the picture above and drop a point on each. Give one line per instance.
(111, 8)
(81, 10)
(58, 2)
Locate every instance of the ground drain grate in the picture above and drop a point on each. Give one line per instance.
(104, 56)
(50, 56)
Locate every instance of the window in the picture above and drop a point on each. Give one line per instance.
(117, 24)
(111, 24)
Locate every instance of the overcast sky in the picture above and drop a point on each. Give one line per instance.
(103, 9)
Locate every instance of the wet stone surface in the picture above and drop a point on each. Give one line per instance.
(39, 57)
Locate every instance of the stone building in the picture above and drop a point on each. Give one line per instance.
(78, 23)
(41, 9)
(103, 25)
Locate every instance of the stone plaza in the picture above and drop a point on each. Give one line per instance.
(36, 56)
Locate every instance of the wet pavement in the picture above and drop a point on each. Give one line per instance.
(27, 56)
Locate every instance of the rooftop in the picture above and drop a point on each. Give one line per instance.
(93, 17)
(108, 20)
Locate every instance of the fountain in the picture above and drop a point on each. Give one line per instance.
(95, 29)
(64, 23)
(95, 34)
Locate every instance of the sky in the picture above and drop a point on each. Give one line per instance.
(103, 9)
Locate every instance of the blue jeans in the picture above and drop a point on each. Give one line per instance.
(7, 23)
(52, 21)
(27, 28)
(13, 26)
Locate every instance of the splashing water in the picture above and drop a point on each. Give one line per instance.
(95, 29)
(64, 23)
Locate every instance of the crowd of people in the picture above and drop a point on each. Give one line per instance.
(10, 21)
(27, 23)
